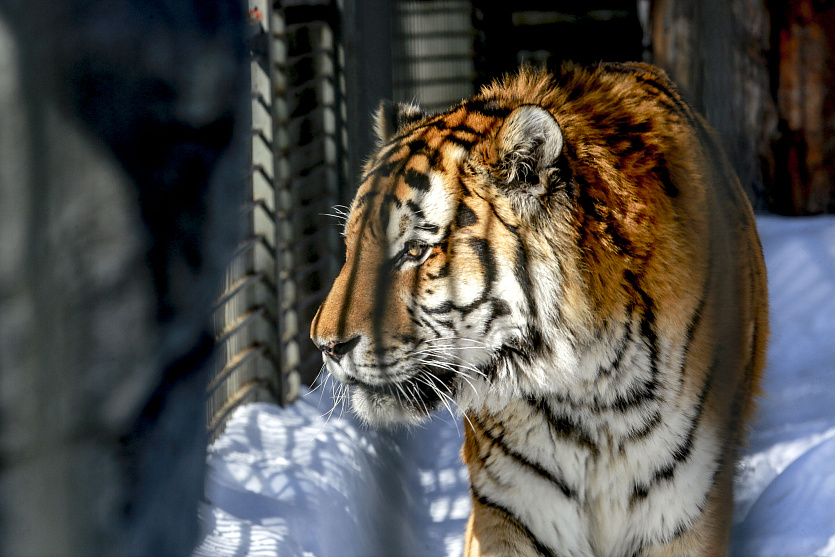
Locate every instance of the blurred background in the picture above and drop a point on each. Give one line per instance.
(166, 169)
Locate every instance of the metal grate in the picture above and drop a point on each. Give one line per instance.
(432, 52)
(279, 273)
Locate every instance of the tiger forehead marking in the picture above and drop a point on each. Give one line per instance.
(568, 260)
(417, 176)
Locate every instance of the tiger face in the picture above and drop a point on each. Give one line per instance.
(436, 290)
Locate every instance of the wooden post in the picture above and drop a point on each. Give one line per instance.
(804, 153)
(717, 52)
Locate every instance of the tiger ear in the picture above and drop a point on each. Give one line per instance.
(393, 116)
(530, 142)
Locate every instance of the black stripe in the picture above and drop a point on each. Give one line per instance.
(500, 308)
(442, 308)
(594, 208)
(383, 170)
(425, 321)
(647, 390)
(562, 426)
(464, 216)
(627, 144)
(666, 180)
(465, 191)
(466, 129)
(481, 246)
(659, 82)
(415, 208)
(635, 396)
(428, 227)
(489, 108)
(416, 180)
(683, 450)
(695, 320)
(520, 269)
(520, 262)
(363, 199)
(540, 548)
(385, 211)
(499, 442)
(636, 434)
(485, 255)
(386, 167)
(443, 272)
(416, 146)
(672, 94)
(422, 224)
(623, 344)
(461, 142)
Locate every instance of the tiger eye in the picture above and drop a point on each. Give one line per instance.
(414, 248)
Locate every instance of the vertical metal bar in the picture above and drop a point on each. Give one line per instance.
(289, 379)
(340, 113)
(367, 40)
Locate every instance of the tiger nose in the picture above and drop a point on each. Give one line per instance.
(336, 349)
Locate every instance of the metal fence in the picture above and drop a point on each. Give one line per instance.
(432, 52)
(287, 257)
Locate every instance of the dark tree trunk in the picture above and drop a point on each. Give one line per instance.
(120, 179)
(804, 154)
(717, 51)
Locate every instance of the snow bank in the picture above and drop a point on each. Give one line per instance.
(294, 482)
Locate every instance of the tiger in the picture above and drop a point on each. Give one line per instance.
(568, 259)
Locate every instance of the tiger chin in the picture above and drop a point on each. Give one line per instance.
(570, 261)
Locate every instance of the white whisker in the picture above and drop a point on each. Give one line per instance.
(426, 377)
(450, 367)
(453, 366)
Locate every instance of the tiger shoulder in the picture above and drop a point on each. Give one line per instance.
(570, 260)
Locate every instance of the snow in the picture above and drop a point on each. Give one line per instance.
(307, 481)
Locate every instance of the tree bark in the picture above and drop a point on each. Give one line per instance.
(120, 178)
(804, 152)
(717, 51)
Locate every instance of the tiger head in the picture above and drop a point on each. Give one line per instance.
(463, 276)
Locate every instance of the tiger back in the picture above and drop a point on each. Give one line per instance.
(569, 260)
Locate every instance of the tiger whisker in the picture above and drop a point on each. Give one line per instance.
(318, 380)
(456, 405)
(337, 401)
(426, 377)
(452, 366)
(419, 399)
(449, 367)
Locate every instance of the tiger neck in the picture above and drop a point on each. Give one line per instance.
(589, 447)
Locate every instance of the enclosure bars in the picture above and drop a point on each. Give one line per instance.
(433, 52)
(277, 278)
(245, 314)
